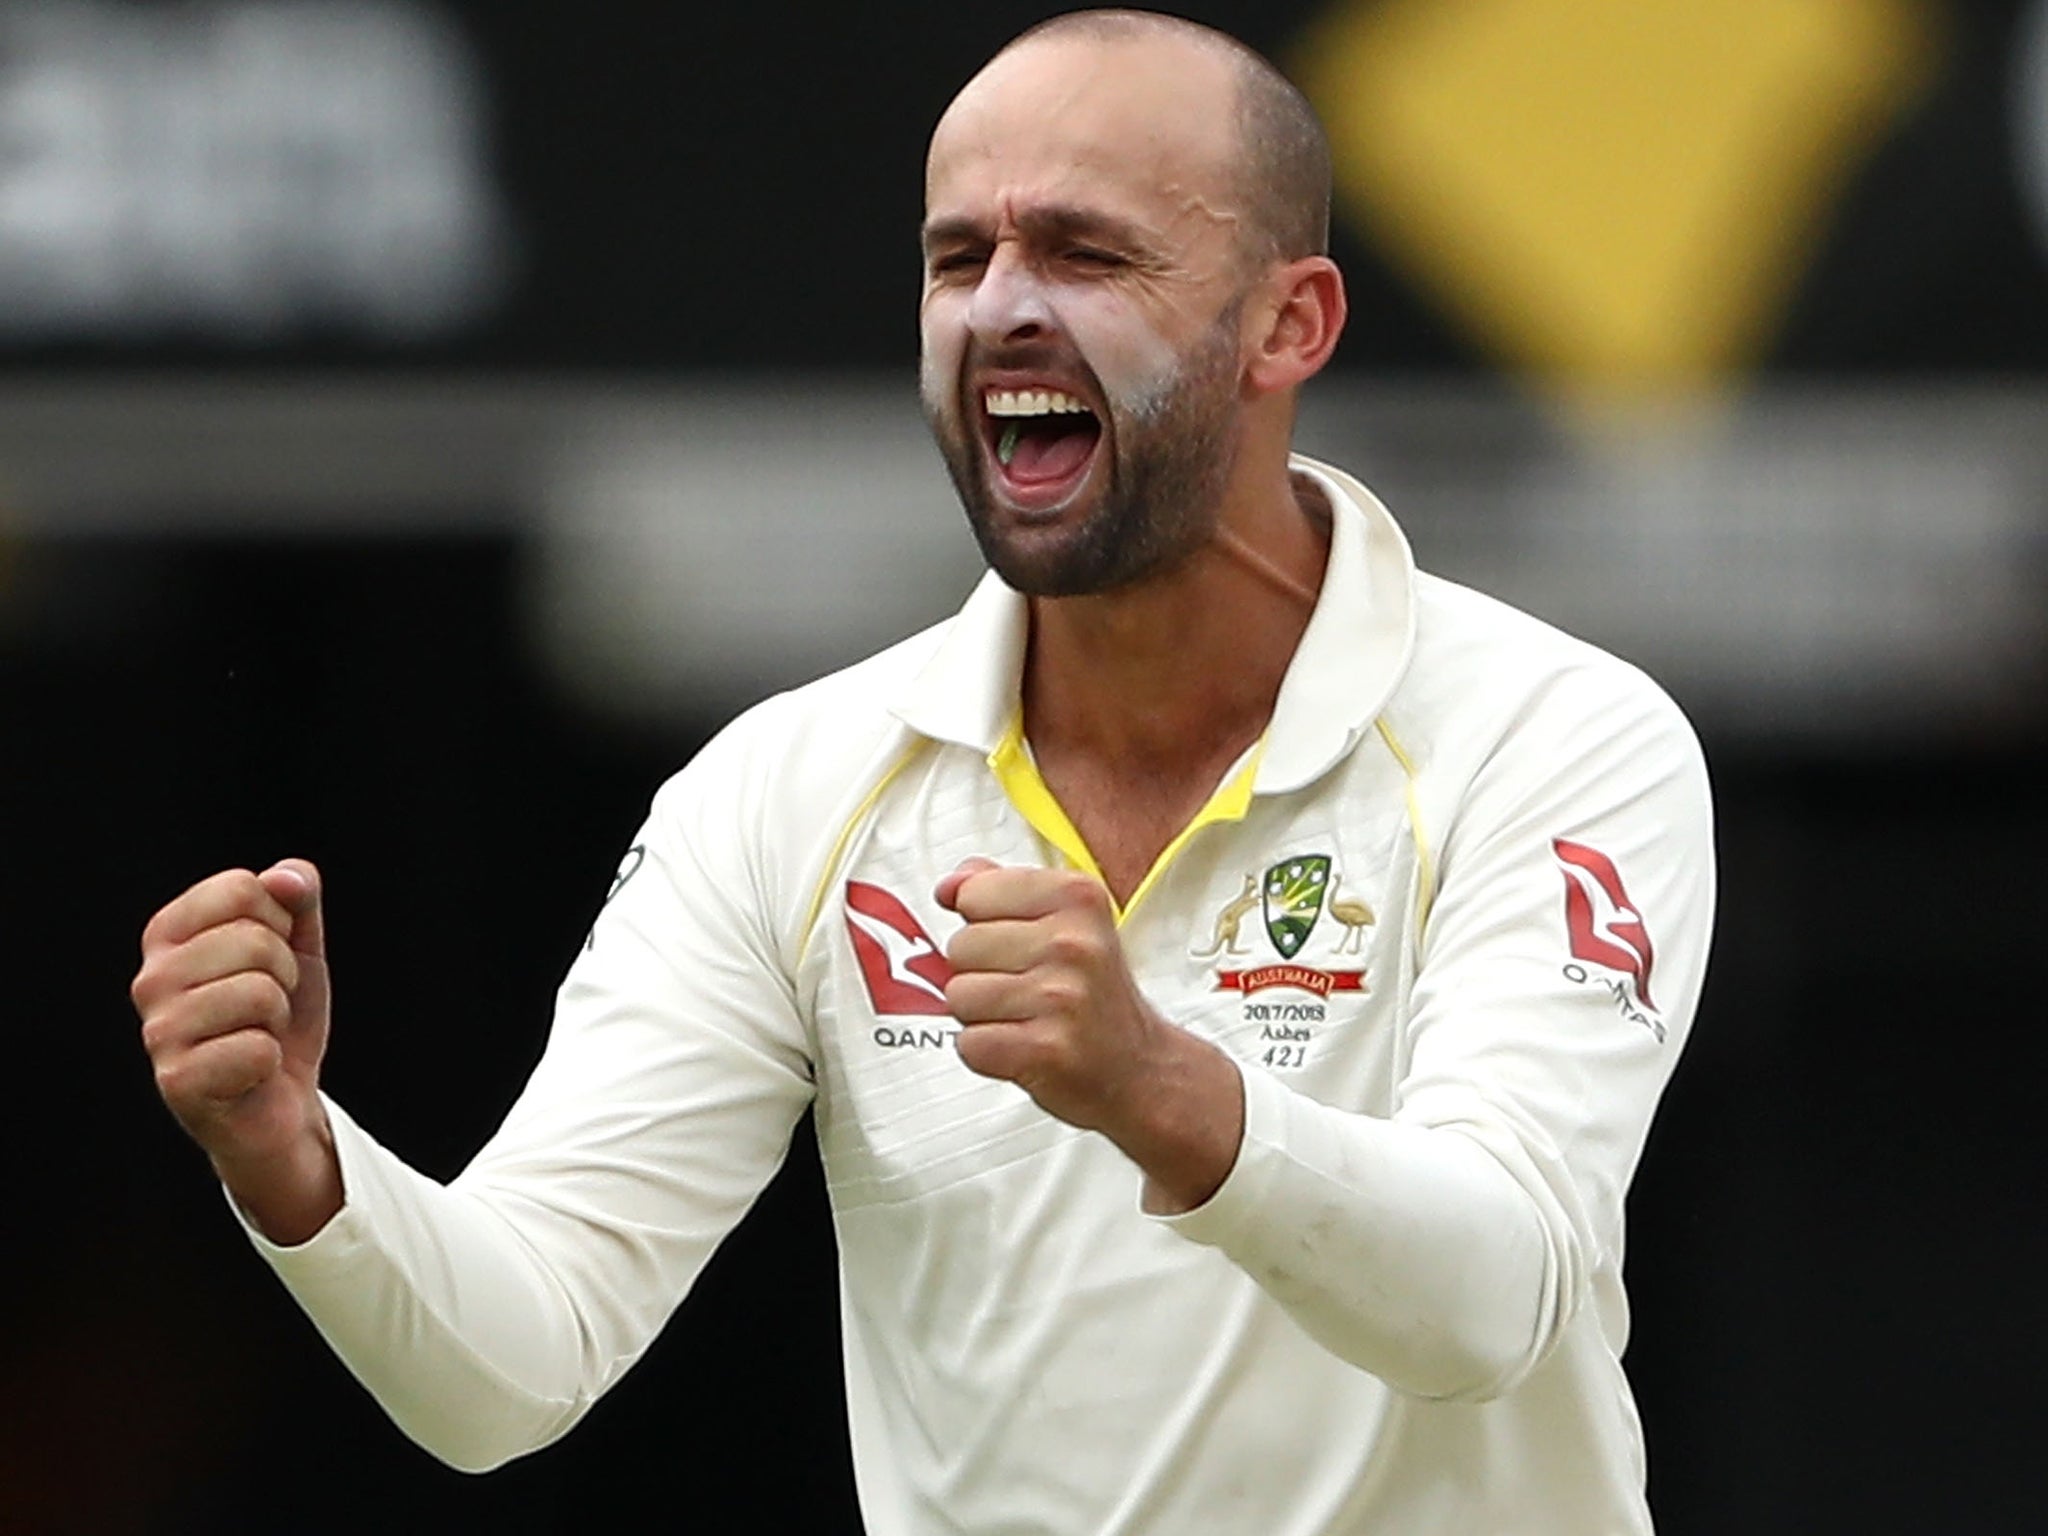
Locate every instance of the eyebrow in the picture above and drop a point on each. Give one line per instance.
(1047, 223)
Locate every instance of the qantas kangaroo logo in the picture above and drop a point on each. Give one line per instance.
(1606, 929)
(903, 968)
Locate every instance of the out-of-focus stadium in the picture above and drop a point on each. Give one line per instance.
(422, 424)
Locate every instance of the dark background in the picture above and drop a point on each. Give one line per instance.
(1838, 1326)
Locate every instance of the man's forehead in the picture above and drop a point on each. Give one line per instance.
(1141, 113)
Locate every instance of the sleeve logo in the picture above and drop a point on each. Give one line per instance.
(628, 868)
(904, 970)
(1606, 929)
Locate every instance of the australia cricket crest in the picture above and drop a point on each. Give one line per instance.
(1289, 1000)
(1294, 900)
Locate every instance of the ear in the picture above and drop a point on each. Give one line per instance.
(1298, 325)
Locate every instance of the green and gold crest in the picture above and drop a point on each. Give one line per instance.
(1294, 891)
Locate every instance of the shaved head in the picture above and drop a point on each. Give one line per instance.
(1283, 155)
(1125, 281)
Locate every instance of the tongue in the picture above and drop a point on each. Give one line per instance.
(1053, 454)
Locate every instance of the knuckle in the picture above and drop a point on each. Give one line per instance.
(231, 894)
(1056, 1056)
(259, 998)
(245, 1060)
(980, 998)
(245, 900)
(975, 1053)
(173, 1082)
(198, 1081)
(160, 1035)
(277, 1005)
(266, 950)
(1082, 890)
(1072, 946)
(1062, 995)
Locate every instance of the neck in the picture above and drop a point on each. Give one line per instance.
(1182, 669)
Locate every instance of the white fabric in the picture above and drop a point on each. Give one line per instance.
(1402, 1312)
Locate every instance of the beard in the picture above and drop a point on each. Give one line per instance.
(1169, 454)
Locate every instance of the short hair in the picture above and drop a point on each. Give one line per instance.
(1284, 155)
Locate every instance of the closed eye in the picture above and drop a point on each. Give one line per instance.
(1084, 256)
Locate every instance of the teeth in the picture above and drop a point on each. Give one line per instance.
(1032, 402)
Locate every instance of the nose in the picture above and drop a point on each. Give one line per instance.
(1010, 302)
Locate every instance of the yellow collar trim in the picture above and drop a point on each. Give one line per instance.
(1017, 772)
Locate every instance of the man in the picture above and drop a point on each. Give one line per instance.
(1233, 974)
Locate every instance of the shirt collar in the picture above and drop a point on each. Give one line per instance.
(1357, 643)
(966, 692)
(1350, 657)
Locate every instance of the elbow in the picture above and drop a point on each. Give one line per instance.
(1475, 1368)
(482, 1430)
(477, 1448)
(1526, 1275)
(1455, 1360)
(1462, 1349)
(474, 1459)
(1488, 1339)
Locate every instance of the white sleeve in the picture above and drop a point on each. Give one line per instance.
(487, 1315)
(1447, 1248)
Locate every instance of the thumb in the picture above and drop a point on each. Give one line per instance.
(947, 892)
(295, 883)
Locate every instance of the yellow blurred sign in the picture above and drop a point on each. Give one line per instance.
(1617, 195)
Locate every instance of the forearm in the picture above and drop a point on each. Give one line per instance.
(487, 1315)
(1410, 1251)
(438, 1307)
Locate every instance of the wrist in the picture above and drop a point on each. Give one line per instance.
(290, 1193)
(1186, 1122)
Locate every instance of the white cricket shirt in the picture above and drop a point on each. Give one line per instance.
(1450, 916)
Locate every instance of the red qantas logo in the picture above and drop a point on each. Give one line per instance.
(1606, 929)
(903, 968)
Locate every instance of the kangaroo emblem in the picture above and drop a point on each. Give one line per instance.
(898, 950)
(1224, 936)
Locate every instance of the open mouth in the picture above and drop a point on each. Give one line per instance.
(1042, 442)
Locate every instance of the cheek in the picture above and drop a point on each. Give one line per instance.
(1127, 352)
(942, 340)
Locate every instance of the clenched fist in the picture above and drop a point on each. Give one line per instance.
(1046, 1001)
(233, 997)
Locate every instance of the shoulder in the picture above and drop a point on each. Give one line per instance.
(1493, 690)
(759, 811)
(800, 751)
(1479, 658)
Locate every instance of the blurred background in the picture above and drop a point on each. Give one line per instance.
(422, 424)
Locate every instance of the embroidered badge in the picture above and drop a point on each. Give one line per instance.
(1293, 893)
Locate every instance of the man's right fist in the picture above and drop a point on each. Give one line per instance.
(234, 1003)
